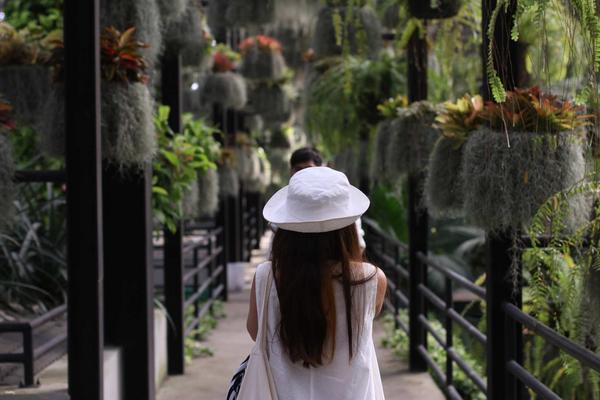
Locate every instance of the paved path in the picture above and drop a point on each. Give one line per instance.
(208, 378)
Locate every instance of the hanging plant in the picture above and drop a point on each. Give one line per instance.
(208, 192)
(380, 168)
(412, 138)
(528, 149)
(172, 11)
(260, 182)
(347, 30)
(433, 9)
(24, 77)
(224, 86)
(271, 102)
(229, 181)
(248, 13)
(295, 41)
(128, 137)
(144, 15)
(443, 188)
(262, 58)
(189, 35)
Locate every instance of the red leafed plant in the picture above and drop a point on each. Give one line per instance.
(224, 59)
(120, 57)
(263, 42)
(5, 115)
(530, 110)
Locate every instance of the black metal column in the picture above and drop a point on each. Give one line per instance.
(173, 247)
(84, 199)
(417, 219)
(129, 276)
(504, 337)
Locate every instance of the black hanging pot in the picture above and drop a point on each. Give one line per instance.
(433, 9)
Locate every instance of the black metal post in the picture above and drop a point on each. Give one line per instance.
(173, 247)
(449, 330)
(129, 276)
(418, 220)
(84, 199)
(504, 337)
(29, 371)
(418, 232)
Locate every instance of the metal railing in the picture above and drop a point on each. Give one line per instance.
(30, 352)
(506, 378)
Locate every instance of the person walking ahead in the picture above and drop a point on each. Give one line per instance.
(324, 298)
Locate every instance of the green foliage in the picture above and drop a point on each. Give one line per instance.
(398, 342)
(181, 157)
(37, 16)
(342, 103)
(390, 211)
(193, 347)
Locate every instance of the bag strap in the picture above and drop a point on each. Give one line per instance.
(263, 327)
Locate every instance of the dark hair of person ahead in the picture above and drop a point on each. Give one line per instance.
(306, 155)
(305, 266)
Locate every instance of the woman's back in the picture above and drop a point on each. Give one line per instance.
(340, 378)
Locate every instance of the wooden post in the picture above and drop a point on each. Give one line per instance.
(418, 221)
(173, 247)
(84, 200)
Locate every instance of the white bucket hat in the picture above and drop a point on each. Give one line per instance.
(318, 199)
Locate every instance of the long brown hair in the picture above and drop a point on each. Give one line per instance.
(303, 266)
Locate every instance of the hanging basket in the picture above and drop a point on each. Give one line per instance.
(51, 124)
(229, 181)
(249, 13)
(128, 133)
(144, 15)
(188, 36)
(433, 9)
(348, 162)
(263, 64)
(413, 136)
(505, 186)
(271, 102)
(443, 187)
(26, 88)
(279, 158)
(363, 35)
(190, 202)
(379, 161)
(208, 193)
(172, 10)
(259, 181)
(7, 186)
(295, 40)
(225, 88)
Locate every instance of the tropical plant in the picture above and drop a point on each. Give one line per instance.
(389, 108)
(460, 118)
(180, 157)
(39, 17)
(21, 48)
(224, 58)
(262, 42)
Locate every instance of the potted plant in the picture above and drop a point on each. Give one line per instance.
(128, 137)
(7, 169)
(144, 15)
(526, 150)
(412, 137)
(224, 86)
(346, 29)
(443, 188)
(24, 77)
(261, 58)
(189, 35)
(433, 9)
(173, 10)
(271, 101)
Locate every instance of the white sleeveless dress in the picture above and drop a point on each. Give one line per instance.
(341, 379)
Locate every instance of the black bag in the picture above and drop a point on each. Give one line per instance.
(236, 381)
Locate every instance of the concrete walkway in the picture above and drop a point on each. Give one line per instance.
(208, 378)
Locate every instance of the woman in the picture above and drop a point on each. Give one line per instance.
(324, 298)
